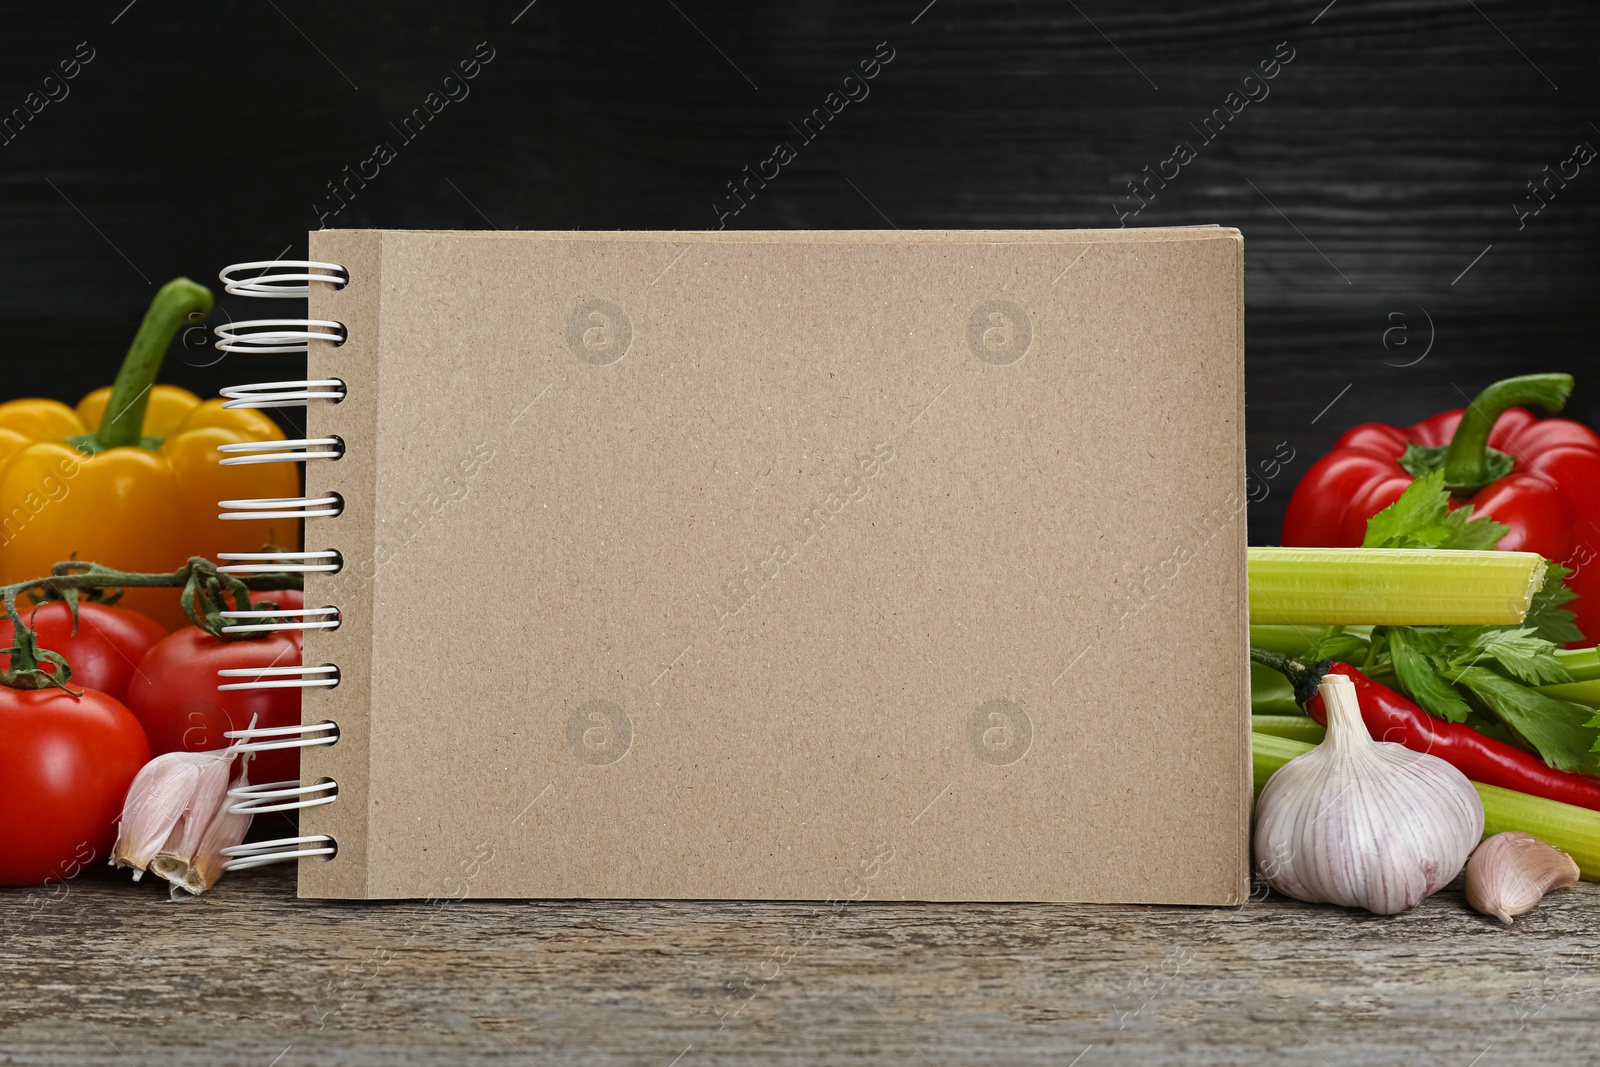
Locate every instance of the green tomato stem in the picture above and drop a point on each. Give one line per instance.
(205, 594)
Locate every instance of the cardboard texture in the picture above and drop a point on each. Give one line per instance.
(786, 565)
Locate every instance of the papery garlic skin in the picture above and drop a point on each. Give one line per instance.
(1362, 823)
(176, 818)
(157, 799)
(194, 860)
(208, 796)
(1511, 872)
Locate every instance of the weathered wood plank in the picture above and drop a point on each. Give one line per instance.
(248, 972)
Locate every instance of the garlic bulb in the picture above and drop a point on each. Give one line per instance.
(1363, 823)
(1510, 873)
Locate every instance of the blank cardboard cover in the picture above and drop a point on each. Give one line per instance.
(791, 565)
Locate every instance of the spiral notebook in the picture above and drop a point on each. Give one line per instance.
(773, 565)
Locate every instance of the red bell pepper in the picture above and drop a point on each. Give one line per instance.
(1541, 477)
(1391, 717)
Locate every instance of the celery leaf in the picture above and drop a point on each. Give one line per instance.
(1422, 518)
(1409, 651)
(1564, 734)
(1522, 653)
(1549, 619)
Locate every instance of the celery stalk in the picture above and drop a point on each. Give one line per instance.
(1391, 586)
(1582, 663)
(1574, 830)
(1271, 693)
(1290, 727)
(1584, 666)
(1586, 693)
(1290, 640)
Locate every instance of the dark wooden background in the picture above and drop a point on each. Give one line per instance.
(1386, 159)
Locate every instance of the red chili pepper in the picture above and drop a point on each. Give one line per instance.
(1391, 717)
(1538, 476)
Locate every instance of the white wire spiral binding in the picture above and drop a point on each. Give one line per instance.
(278, 280)
(295, 394)
(279, 737)
(281, 286)
(310, 619)
(330, 562)
(282, 507)
(324, 677)
(265, 797)
(265, 336)
(260, 853)
(294, 451)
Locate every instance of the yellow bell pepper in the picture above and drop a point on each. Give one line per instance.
(137, 491)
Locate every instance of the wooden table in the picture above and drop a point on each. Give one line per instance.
(112, 973)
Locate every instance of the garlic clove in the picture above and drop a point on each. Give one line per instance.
(156, 801)
(1361, 823)
(175, 820)
(196, 864)
(1511, 872)
(209, 792)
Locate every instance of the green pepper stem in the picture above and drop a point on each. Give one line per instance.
(1466, 460)
(175, 304)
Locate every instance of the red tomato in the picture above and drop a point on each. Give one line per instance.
(109, 643)
(176, 699)
(65, 766)
(287, 599)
